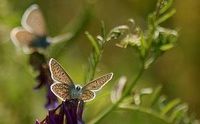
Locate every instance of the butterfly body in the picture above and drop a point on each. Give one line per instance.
(40, 42)
(65, 89)
(75, 92)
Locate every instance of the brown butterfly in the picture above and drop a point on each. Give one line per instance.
(65, 89)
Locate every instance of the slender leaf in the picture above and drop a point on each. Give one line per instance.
(93, 42)
(166, 16)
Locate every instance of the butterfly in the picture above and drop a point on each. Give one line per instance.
(33, 33)
(65, 89)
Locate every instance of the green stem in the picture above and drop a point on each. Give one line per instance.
(92, 66)
(95, 56)
(115, 105)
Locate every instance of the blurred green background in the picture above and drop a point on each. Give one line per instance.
(177, 70)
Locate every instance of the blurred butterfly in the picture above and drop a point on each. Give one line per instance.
(65, 89)
(33, 34)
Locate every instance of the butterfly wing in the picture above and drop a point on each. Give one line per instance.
(58, 73)
(87, 95)
(21, 37)
(98, 83)
(33, 21)
(61, 90)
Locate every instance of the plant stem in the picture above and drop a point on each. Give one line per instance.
(91, 69)
(96, 54)
(115, 105)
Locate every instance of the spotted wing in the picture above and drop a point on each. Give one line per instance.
(98, 83)
(61, 90)
(87, 95)
(33, 20)
(21, 37)
(58, 73)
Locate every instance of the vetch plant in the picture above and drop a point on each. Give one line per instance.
(98, 44)
(149, 44)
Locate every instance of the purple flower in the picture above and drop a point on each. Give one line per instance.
(38, 62)
(69, 112)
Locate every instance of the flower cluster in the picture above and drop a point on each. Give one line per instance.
(69, 112)
(38, 62)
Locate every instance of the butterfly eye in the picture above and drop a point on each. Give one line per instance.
(78, 88)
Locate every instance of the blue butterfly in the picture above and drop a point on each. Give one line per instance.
(33, 34)
(65, 89)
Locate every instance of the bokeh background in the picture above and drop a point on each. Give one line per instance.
(178, 70)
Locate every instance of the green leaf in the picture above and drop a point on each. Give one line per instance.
(149, 61)
(178, 112)
(93, 42)
(103, 30)
(155, 95)
(170, 106)
(166, 16)
(166, 47)
(166, 6)
(144, 45)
